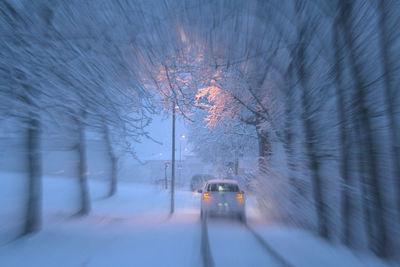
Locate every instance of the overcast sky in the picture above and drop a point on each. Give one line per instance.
(161, 130)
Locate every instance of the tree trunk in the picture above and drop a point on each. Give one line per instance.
(82, 168)
(347, 238)
(236, 163)
(390, 95)
(289, 141)
(33, 213)
(114, 162)
(311, 138)
(380, 246)
(364, 185)
(113, 181)
(264, 149)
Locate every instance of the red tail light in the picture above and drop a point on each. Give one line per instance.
(240, 198)
(206, 196)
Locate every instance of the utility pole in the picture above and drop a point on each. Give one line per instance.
(173, 161)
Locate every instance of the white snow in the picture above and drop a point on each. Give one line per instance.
(232, 245)
(302, 248)
(133, 229)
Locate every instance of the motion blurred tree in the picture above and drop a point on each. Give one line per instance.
(314, 79)
(56, 60)
(23, 68)
(338, 103)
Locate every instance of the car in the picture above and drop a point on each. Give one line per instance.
(222, 198)
(198, 181)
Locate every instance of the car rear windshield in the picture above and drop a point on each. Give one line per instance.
(223, 187)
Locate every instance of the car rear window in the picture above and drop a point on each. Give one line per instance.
(223, 187)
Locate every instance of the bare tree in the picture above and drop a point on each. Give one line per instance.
(344, 139)
(380, 246)
(386, 45)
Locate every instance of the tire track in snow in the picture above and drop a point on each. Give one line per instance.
(205, 245)
(206, 254)
(268, 248)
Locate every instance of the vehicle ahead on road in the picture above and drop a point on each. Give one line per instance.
(222, 198)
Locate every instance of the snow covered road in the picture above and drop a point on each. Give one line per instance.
(133, 229)
(232, 244)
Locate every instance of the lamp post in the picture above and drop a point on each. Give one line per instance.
(173, 160)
